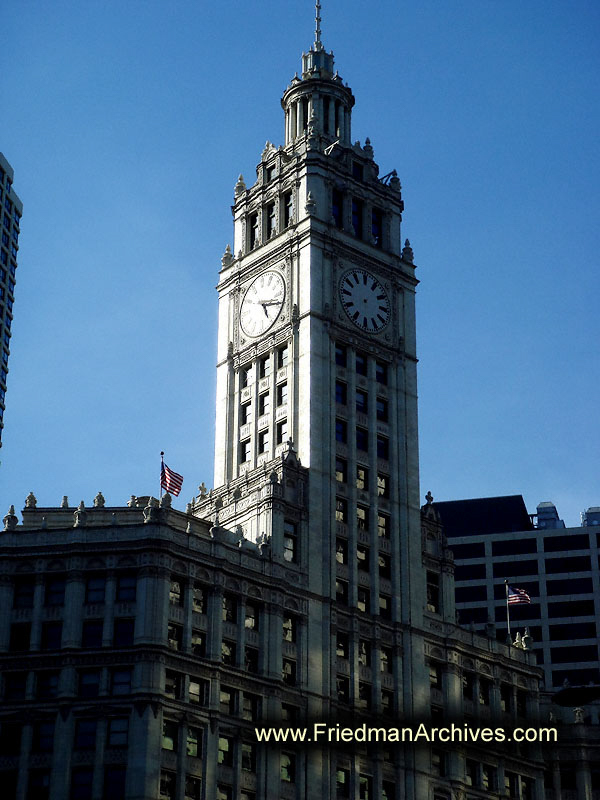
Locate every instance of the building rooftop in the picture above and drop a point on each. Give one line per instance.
(484, 515)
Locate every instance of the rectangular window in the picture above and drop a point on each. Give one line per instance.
(263, 441)
(383, 526)
(55, 592)
(245, 451)
(363, 600)
(89, 683)
(342, 647)
(385, 606)
(92, 633)
(361, 364)
(341, 431)
(51, 635)
(251, 659)
(198, 643)
(381, 373)
(357, 218)
(341, 470)
(126, 588)
(81, 783)
(270, 214)
(364, 695)
(264, 367)
(20, 635)
(229, 609)
(364, 653)
(23, 593)
(95, 588)
(173, 684)
(341, 393)
(362, 402)
(341, 591)
(362, 439)
(120, 682)
(288, 767)
(290, 628)
(341, 551)
(343, 689)
(282, 431)
(264, 404)
(253, 230)
(228, 652)
(194, 742)
(252, 616)
(282, 394)
(166, 790)
(227, 700)
(383, 447)
(282, 357)
(337, 208)
(340, 355)
(245, 413)
(341, 510)
(248, 757)
(123, 632)
(114, 783)
(245, 377)
(433, 592)
(362, 518)
(386, 660)
(290, 542)
(250, 707)
(382, 410)
(198, 598)
(198, 691)
(85, 734)
(288, 672)
(174, 636)
(385, 566)
(377, 227)
(170, 735)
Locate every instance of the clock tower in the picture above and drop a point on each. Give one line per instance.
(316, 452)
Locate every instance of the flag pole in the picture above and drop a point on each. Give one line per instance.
(162, 469)
(507, 610)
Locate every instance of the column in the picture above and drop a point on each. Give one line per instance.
(270, 657)
(6, 602)
(38, 610)
(61, 761)
(74, 601)
(109, 610)
(584, 780)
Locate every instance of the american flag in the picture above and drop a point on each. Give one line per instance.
(515, 596)
(169, 480)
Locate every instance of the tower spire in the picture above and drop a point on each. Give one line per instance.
(318, 43)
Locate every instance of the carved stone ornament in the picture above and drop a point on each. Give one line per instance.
(30, 500)
(10, 520)
(99, 500)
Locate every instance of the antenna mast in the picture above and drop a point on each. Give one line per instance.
(318, 43)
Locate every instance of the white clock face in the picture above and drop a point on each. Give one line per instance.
(262, 303)
(365, 300)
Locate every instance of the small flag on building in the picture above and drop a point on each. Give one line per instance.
(515, 596)
(170, 481)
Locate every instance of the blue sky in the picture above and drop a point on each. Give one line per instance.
(127, 124)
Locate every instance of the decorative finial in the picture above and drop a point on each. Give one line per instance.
(318, 43)
(429, 498)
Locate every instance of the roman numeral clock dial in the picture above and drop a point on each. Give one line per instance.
(365, 300)
(262, 303)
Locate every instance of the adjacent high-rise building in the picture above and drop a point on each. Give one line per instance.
(11, 209)
(494, 540)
